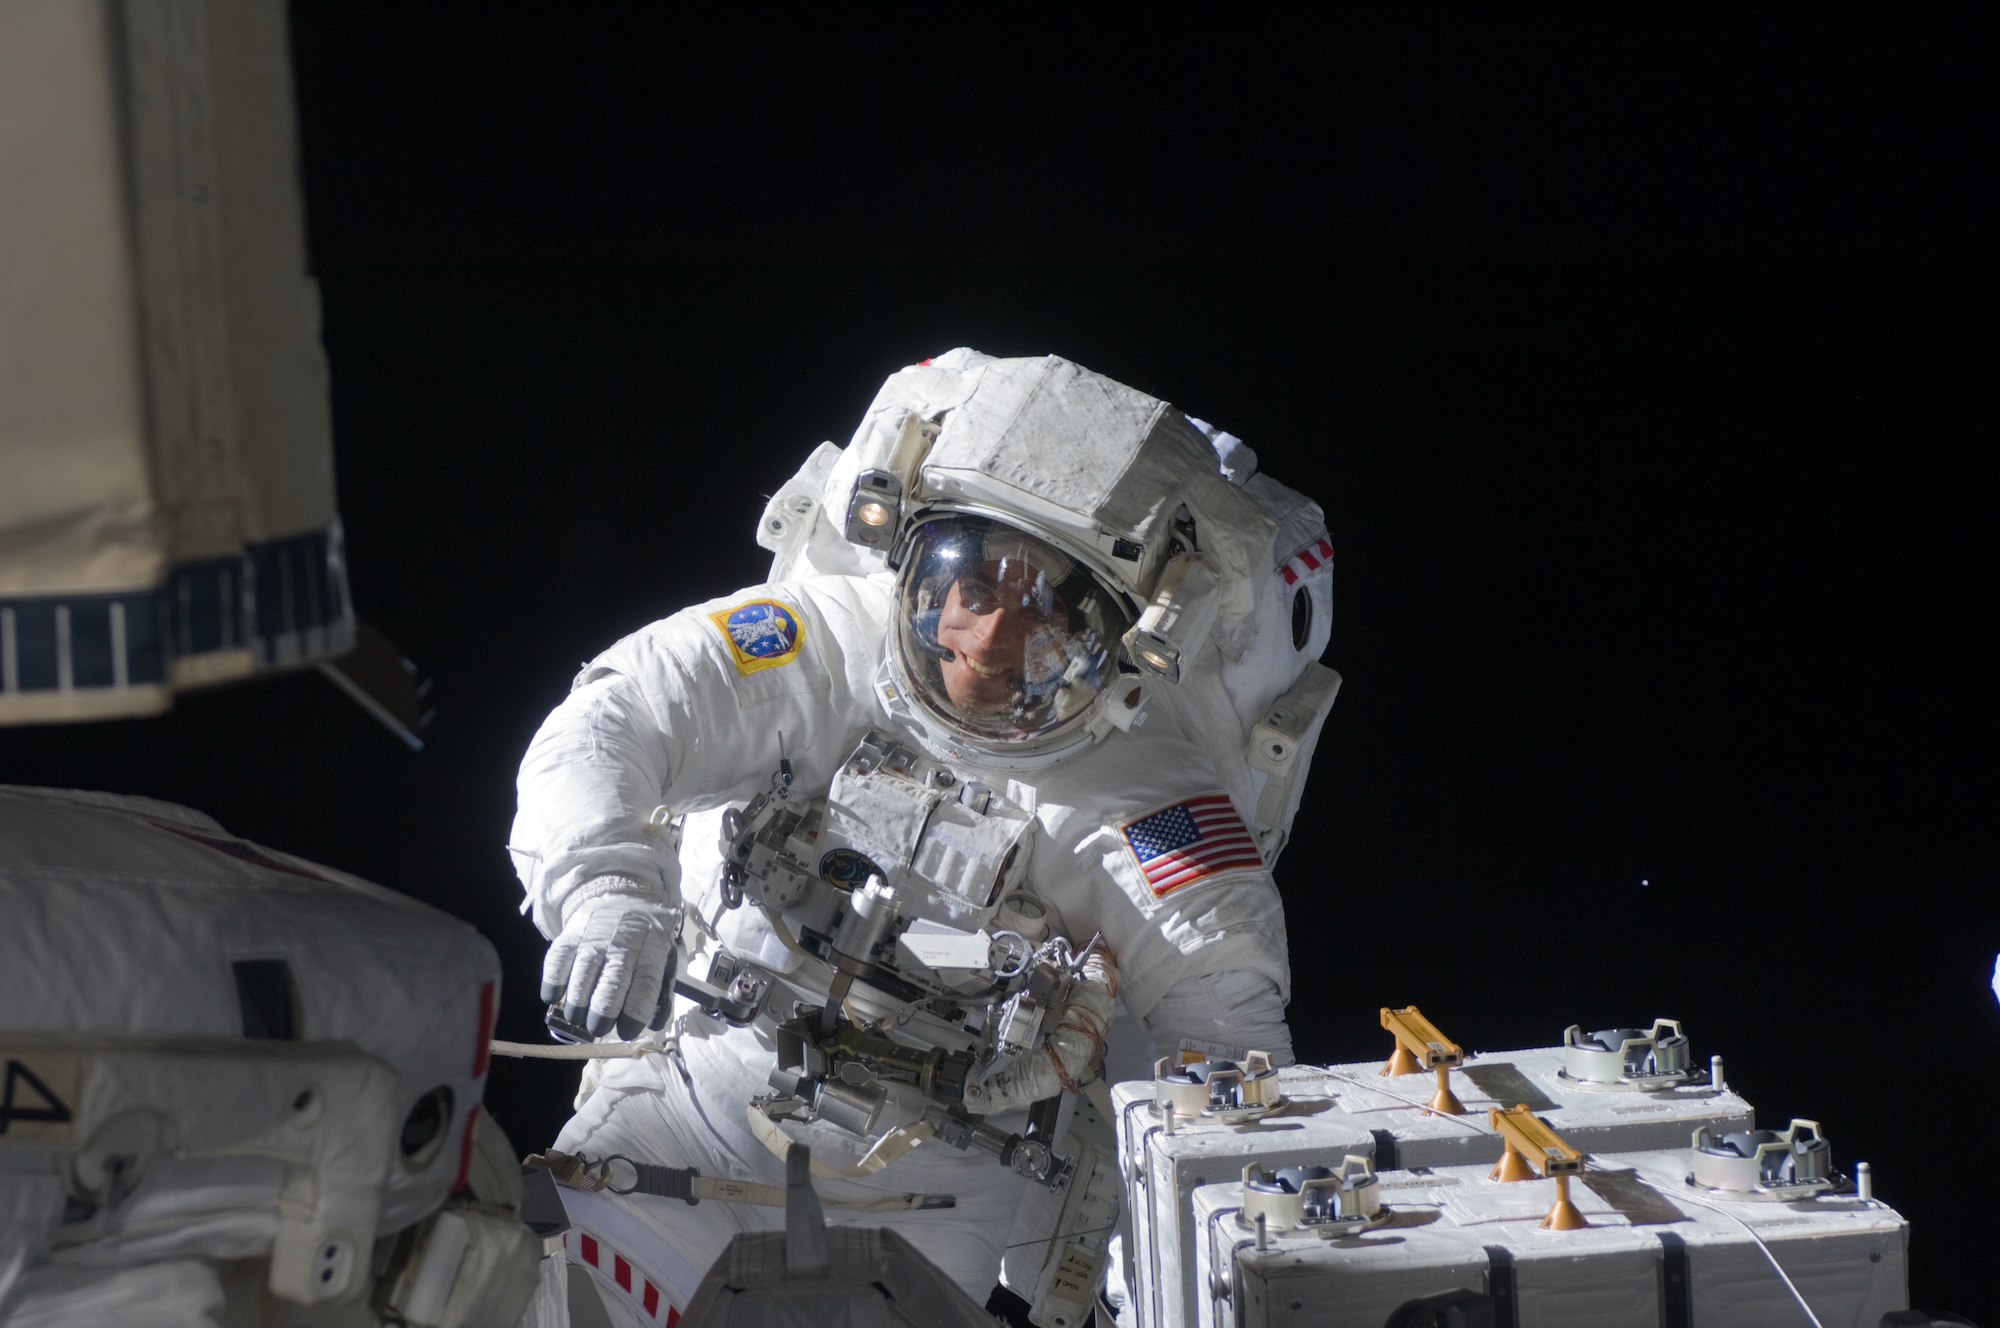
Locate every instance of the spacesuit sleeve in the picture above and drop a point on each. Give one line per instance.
(688, 714)
(587, 787)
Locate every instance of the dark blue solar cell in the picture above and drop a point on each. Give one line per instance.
(145, 646)
(90, 642)
(202, 604)
(35, 644)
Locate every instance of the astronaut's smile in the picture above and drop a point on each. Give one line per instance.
(995, 624)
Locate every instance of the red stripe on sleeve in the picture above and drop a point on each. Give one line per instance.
(465, 1150)
(483, 1052)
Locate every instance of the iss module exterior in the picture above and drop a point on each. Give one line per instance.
(239, 1084)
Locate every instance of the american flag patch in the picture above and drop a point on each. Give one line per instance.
(1190, 841)
(1317, 553)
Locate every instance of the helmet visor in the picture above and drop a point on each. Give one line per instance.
(1002, 635)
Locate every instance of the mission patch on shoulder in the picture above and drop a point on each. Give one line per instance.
(762, 634)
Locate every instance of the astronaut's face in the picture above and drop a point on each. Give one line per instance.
(1003, 625)
(1001, 635)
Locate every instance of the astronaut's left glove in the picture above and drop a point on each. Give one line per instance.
(614, 960)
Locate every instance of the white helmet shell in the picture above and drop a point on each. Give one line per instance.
(1114, 479)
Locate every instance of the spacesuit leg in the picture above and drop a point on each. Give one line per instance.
(965, 1241)
(548, 1307)
(625, 1244)
(692, 1114)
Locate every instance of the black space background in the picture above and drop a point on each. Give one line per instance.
(1643, 367)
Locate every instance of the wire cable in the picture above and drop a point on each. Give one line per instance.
(572, 1051)
(1776, 1267)
(1461, 1120)
(1062, 1235)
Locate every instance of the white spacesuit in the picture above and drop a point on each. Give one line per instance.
(1034, 666)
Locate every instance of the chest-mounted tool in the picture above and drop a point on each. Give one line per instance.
(903, 881)
(943, 846)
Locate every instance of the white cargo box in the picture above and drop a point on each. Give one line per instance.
(1344, 1109)
(1651, 1257)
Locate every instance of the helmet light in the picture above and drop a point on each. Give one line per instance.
(873, 511)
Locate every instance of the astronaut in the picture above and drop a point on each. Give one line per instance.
(1034, 674)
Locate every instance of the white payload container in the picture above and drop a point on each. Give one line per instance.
(1341, 1109)
(1652, 1257)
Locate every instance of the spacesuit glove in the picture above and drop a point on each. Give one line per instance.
(612, 964)
(1072, 1052)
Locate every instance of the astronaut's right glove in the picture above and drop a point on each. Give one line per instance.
(613, 964)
